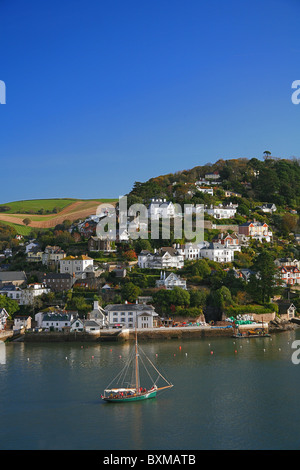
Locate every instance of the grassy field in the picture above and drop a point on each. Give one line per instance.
(21, 229)
(35, 205)
(66, 209)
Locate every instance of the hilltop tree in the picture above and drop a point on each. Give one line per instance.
(267, 154)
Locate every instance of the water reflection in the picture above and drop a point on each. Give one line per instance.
(2, 353)
(243, 396)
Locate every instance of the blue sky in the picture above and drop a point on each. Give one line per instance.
(102, 94)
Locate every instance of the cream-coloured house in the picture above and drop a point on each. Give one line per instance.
(77, 265)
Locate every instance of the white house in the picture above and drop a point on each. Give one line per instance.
(97, 314)
(91, 327)
(166, 257)
(217, 252)
(205, 190)
(161, 208)
(21, 321)
(32, 291)
(12, 292)
(189, 251)
(55, 321)
(170, 281)
(77, 324)
(87, 326)
(222, 212)
(268, 208)
(140, 315)
(77, 265)
(24, 296)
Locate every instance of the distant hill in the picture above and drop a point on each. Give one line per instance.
(47, 213)
(272, 180)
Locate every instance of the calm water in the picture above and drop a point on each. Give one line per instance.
(243, 396)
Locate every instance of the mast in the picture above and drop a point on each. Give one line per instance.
(137, 384)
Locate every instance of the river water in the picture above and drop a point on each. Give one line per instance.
(227, 394)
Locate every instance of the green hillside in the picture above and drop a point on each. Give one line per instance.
(45, 206)
(35, 205)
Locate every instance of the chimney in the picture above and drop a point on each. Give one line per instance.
(96, 305)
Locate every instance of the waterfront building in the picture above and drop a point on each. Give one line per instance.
(131, 315)
(54, 321)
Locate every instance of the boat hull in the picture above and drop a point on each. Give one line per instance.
(251, 336)
(142, 396)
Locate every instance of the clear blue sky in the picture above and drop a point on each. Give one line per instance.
(103, 94)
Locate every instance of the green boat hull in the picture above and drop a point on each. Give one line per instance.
(143, 396)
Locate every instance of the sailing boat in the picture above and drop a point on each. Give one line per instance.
(132, 390)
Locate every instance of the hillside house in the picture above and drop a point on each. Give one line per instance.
(52, 255)
(161, 208)
(256, 230)
(31, 291)
(170, 281)
(164, 258)
(35, 255)
(59, 282)
(205, 190)
(88, 228)
(228, 240)
(217, 252)
(17, 278)
(287, 262)
(232, 194)
(268, 208)
(289, 275)
(189, 251)
(77, 265)
(12, 292)
(99, 244)
(221, 211)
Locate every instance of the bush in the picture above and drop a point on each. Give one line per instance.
(248, 309)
